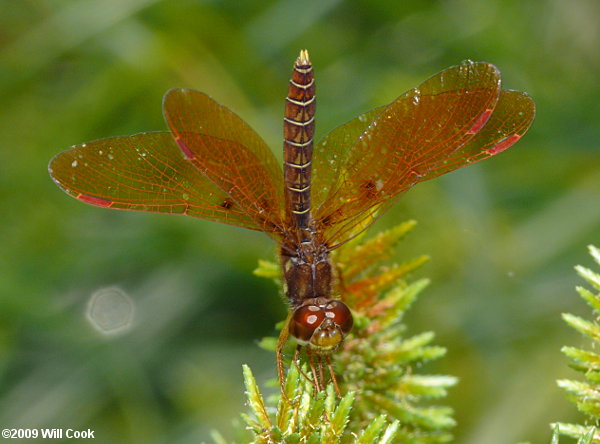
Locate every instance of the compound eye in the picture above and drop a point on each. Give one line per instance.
(339, 313)
(305, 321)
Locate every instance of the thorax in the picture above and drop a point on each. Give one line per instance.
(307, 273)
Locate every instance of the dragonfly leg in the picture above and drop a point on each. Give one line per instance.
(321, 375)
(313, 369)
(333, 378)
(297, 364)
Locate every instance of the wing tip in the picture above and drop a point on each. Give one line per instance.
(184, 148)
(504, 144)
(93, 200)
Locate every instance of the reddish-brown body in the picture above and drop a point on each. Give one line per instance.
(306, 276)
(306, 266)
(298, 132)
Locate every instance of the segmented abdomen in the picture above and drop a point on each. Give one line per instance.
(298, 130)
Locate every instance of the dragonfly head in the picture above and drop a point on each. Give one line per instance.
(321, 324)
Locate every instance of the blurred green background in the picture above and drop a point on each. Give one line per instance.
(503, 234)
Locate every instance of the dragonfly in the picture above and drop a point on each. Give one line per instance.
(212, 165)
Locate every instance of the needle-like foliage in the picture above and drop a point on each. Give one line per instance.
(585, 394)
(384, 399)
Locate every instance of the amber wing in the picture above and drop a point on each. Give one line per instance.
(456, 117)
(230, 154)
(144, 172)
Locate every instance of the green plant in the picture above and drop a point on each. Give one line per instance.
(584, 394)
(384, 398)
